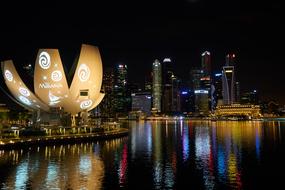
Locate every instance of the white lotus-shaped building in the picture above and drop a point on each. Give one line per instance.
(50, 83)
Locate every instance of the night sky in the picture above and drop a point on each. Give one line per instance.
(137, 32)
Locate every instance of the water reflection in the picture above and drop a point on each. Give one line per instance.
(156, 155)
(78, 166)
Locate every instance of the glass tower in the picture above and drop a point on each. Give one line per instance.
(156, 85)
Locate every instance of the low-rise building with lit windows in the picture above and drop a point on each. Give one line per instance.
(248, 110)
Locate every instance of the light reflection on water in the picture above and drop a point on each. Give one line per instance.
(156, 155)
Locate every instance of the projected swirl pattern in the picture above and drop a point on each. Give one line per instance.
(25, 100)
(83, 72)
(8, 75)
(44, 60)
(56, 76)
(24, 91)
(85, 104)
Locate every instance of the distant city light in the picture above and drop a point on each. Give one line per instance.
(229, 71)
(201, 91)
(206, 52)
(167, 60)
(148, 97)
(184, 92)
(205, 78)
(218, 74)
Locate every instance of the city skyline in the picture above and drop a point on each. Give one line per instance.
(181, 31)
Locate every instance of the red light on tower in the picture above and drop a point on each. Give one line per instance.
(234, 55)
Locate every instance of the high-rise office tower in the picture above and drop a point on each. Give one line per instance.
(167, 72)
(187, 101)
(218, 90)
(107, 105)
(206, 63)
(120, 89)
(201, 102)
(156, 85)
(228, 80)
(175, 94)
(196, 75)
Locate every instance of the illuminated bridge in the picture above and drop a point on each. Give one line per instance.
(238, 110)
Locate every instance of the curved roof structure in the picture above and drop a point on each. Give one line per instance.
(50, 83)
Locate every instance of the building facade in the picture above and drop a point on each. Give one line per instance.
(156, 85)
(206, 63)
(228, 80)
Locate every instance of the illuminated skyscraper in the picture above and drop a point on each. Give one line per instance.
(228, 80)
(167, 72)
(156, 85)
(120, 89)
(206, 62)
(107, 106)
(201, 102)
(196, 75)
(218, 90)
(187, 101)
(175, 94)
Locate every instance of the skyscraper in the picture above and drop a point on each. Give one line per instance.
(218, 90)
(156, 85)
(228, 80)
(167, 73)
(120, 89)
(107, 105)
(201, 102)
(187, 101)
(196, 75)
(175, 94)
(206, 62)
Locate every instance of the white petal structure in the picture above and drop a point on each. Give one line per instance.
(50, 83)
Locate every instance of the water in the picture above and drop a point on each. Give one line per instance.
(157, 155)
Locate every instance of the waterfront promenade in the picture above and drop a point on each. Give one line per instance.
(61, 139)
